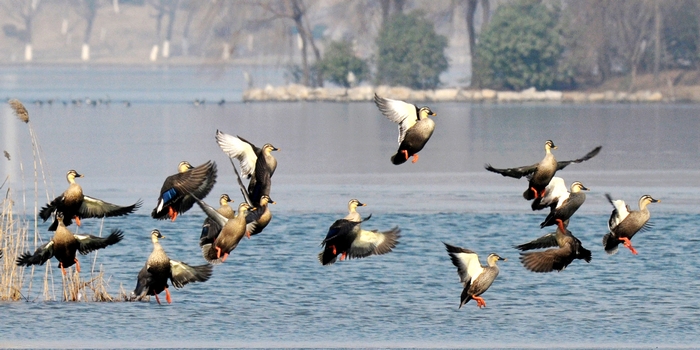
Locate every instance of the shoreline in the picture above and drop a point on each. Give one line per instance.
(296, 92)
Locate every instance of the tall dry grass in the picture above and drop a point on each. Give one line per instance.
(14, 240)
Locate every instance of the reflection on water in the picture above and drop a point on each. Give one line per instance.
(273, 292)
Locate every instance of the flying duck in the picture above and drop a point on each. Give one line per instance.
(475, 278)
(347, 238)
(569, 248)
(64, 244)
(541, 173)
(257, 164)
(176, 194)
(257, 219)
(625, 223)
(224, 236)
(74, 205)
(224, 209)
(415, 126)
(153, 277)
(563, 204)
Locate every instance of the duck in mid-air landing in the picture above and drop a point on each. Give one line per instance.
(415, 126)
(541, 173)
(624, 223)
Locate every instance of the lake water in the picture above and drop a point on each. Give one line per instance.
(272, 292)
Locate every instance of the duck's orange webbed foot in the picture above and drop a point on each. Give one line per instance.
(77, 221)
(218, 252)
(626, 241)
(334, 250)
(172, 213)
(480, 302)
(343, 255)
(77, 265)
(405, 154)
(224, 258)
(157, 299)
(167, 295)
(60, 264)
(415, 158)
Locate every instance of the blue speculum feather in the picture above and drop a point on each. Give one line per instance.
(168, 195)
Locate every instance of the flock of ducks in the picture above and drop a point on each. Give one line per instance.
(224, 228)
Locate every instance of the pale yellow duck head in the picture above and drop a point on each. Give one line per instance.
(424, 112)
(224, 199)
(243, 208)
(71, 175)
(265, 199)
(353, 204)
(577, 187)
(549, 145)
(645, 200)
(155, 234)
(184, 166)
(268, 147)
(492, 258)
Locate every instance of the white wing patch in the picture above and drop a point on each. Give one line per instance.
(239, 149)
(555, 191)
(398, 112)
(470, 265)
(622, 213)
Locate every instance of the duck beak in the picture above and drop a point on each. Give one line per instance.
(655, 200)
(78, 175)
(361, 204)
(504, 259)
(272, 202)
(585, 188)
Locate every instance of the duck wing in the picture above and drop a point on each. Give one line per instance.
(143, 281)
(340, 228)
(467, 263)
(514, 172)
(374, 242)
(88, 243)
(97, 208)
(179, 188)
(239, 148)
(555, 192)
(620, 212)
(548, 260)
(562, 164)
(402, 113)
(40, 256)
(46, 212)
(183, 274)
(546, 241)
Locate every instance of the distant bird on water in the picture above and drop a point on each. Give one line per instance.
(541, 173)
(64, 245)
(475, 278)
(568, 249)
(346, 238)
(176, 194)
(415, 126)
(625, 223)
(153, 277)
(74, 205)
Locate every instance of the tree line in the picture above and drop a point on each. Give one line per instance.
(512, 44)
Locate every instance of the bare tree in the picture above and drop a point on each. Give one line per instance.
(296, 10)
(164, 8)
(471, 30)
(87, 10)
(24, 11)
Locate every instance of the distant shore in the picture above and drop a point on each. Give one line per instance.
(295, 92)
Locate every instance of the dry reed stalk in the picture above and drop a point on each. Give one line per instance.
(13, 234)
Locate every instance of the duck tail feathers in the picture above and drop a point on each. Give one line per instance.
(610, 243)
(397, 159)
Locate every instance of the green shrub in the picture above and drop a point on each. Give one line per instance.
(338, 60)
(520, 48)
(411, 53)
